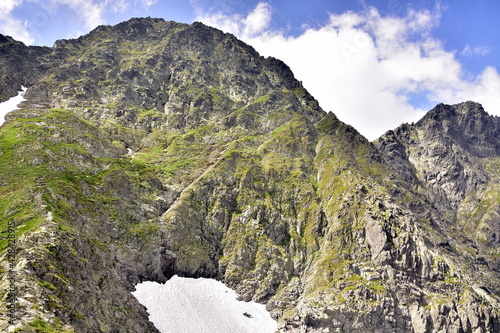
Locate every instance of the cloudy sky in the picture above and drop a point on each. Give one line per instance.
(375, 64)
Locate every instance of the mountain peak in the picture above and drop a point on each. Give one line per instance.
(445, 111)
(184, 74)
(466, 124)
(469, 107)
(6, 39)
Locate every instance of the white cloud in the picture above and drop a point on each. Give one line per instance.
(486, 89)
(8, 5)
(90, 13)
(225, 23)
(366, 67)
(469, 51)
(116, 6)
(12, 26)
(257, 20)
(147, 3)
(15, 28)
(254, 24)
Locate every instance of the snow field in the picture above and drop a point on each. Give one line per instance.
(186, 305)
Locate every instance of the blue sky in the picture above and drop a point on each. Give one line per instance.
(375, 64)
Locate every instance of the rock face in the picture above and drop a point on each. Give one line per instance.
(153, 148)
(453, 153)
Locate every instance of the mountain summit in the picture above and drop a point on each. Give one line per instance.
(152, 148)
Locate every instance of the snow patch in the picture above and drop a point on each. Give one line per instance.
(11, 104)
(186, 305)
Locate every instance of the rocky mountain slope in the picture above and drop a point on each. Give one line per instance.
(154, 148)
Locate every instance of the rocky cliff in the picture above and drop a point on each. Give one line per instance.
(153, 148)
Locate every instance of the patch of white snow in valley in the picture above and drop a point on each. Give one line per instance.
(11, 105)
(186, 305)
